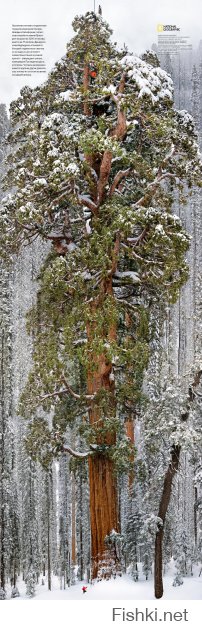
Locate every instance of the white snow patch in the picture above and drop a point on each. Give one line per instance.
(128, 274)
(121, 588)
(66, 96)
(153, 82)
(88, 227)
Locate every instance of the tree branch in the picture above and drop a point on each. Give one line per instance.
(118, 132)
(85, 201)
(140, 238)
(153, 187)
(105, 169)
(59, 392)
(118, 178)
(76, 396)
(68, 449)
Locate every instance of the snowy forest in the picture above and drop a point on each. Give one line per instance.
(100, 312)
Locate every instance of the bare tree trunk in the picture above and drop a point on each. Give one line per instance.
(164, 503)
(195, 516)
(86, 80)
(73, 520)
(103, 507)
(103, 483)
(49, 495)
(103, 490)
(2, 454)
(129, 425)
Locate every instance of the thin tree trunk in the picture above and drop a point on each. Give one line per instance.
(164, 503)
(86, 80)
(195, 516)
(129, 423)
(73, 520)
(2, 557)
(81, 530)
(49, 528)
(129, 426)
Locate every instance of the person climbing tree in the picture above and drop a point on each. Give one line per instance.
(92, 73)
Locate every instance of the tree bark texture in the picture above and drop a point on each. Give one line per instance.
(103, 483)
(164, 503)
(103, 507)
(86, 80)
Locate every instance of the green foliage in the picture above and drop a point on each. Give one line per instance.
(39, 442)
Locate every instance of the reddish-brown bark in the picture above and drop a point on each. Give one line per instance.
(103, 507)
(103, 489)
(86, 80)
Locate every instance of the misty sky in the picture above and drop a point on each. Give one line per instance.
(133, 22)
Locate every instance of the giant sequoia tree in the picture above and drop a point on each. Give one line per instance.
(96, 155)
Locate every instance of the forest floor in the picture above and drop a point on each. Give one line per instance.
(121, 588)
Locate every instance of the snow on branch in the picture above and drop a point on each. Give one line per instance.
(152, 187)
(58, 392)
(74, 394)
(86, 201)
(67, 449)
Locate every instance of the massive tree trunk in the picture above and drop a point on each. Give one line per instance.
(103, 484)
(103, 507)
(164, 503)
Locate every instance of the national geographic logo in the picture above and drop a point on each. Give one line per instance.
(161, 28)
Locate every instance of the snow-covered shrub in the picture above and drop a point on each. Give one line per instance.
(31, 582)
(2, 593)
(178, 580)
(15, 592)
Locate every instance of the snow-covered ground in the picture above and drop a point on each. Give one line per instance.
(121, 588)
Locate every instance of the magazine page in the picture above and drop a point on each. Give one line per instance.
(100, 311)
